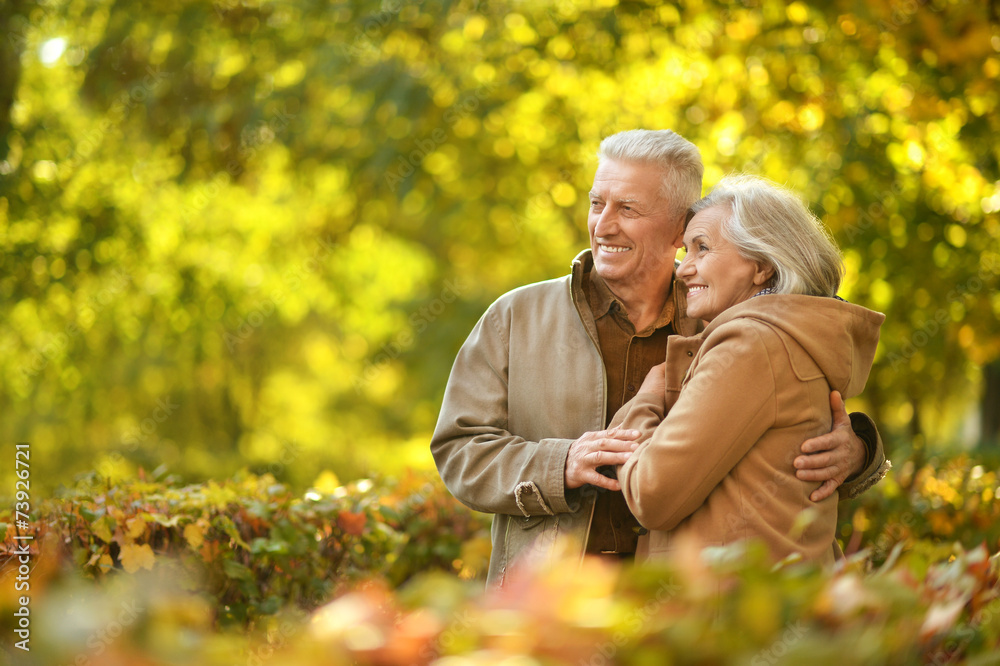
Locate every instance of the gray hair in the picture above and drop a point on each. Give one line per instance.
(677, 159)
(770, 225)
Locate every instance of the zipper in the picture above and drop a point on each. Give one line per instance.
(604, 386)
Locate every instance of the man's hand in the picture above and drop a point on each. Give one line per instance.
(596, 449)
(832, 457)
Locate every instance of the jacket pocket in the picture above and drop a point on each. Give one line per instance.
(530, 523)
(533, 534)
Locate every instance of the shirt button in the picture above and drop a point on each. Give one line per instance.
(690, 353)
(631, 388)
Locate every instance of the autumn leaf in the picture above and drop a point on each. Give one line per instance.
(105, 563)
(941, 617)
(352, 523)
(134, 557)
(102, 528)
(327, 482)
(194, 534)
(136, 527)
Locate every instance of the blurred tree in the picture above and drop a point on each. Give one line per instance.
(256, 232)
(990, 405)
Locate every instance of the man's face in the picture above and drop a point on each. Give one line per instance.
(633, 235)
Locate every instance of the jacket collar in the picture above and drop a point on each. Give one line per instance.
(674, 311)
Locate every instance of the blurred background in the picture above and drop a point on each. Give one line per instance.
(253, 235)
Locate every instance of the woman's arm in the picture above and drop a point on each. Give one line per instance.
(727, 404)
(646, 410)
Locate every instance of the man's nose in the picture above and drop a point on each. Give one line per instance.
(607, 223)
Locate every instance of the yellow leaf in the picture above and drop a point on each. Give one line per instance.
(135, 557)
(105, 563)
(102, 530)
(136, 527)
(326, 482)
(194, 534)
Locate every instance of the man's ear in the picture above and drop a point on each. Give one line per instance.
(763, 274)
(681, 226)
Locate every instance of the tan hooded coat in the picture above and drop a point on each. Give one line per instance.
(716, 461)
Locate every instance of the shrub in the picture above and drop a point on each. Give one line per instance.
(254, 547)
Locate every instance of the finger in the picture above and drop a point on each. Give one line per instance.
(817, 460)
(823, 474)
(840, 417)
(597, 479)
(601, 458)
(832, 440)
(826, 490)
(620, 433)
(614, 445)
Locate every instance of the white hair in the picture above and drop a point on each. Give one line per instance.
(770, 225)
(678, 160)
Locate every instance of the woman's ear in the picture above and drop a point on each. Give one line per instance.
(763, 274)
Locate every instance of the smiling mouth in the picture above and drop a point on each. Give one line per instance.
(697, 289)
(614, 248)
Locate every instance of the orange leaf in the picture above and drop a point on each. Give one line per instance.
(352, 523)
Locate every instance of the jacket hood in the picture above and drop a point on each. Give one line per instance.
(840, 337)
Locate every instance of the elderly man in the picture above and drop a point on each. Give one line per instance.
(521, 433)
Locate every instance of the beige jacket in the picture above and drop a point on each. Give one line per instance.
(528, 382)
(740, 400)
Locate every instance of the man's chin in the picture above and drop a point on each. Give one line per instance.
(611, 266)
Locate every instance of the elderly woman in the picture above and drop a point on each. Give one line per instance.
(723, 421)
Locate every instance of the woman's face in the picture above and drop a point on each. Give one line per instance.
(716, 275)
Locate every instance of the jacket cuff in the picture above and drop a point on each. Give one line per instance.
(547, 495)
(876, 464)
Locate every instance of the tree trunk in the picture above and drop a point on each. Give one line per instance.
(12, 40)
(989, 407)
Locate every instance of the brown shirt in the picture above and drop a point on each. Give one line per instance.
(628, 356)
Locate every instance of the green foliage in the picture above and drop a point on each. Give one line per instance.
(252, 546)
(281, 219)
(949, 499)
(389, 572)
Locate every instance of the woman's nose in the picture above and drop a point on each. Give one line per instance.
(686, 269)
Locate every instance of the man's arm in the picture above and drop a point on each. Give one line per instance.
(849, 459)
(490, 469)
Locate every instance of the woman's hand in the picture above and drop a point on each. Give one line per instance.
(656, 380)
